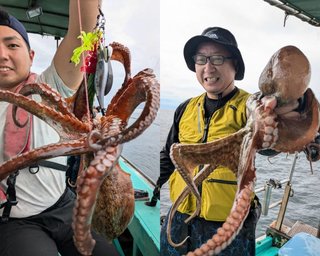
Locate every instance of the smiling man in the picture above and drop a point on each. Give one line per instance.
(16, 58)
(220, 111)
(36, 206)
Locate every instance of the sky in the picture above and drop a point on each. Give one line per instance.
(156, 32)
(259, 31)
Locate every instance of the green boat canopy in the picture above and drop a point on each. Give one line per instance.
(52, 20)
(306, 10)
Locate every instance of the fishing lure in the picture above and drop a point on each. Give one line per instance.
(97, 64)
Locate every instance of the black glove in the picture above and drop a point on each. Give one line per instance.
(312, 150)
(155, 197)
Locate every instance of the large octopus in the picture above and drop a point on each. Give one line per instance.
(98, 140)
(270, 125)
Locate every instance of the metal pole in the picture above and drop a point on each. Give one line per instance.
(286, 195)
(266, 199)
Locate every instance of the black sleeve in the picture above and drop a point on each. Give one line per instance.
(166, 165)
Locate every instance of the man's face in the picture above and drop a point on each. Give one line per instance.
(215, 79)
(15, 58)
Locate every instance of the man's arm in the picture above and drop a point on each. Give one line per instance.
(69, 73)
(166, 165)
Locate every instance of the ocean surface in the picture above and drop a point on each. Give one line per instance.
(304, 205)
(143, 151)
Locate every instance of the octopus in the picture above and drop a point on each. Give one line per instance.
(271, 124)
(105, 197)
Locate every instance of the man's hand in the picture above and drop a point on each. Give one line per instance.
(312, 150)
(265, 114)
(263, 118)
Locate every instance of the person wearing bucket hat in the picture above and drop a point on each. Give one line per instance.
(220, 36)
(217, 61)
(36, 206)
(215, 58)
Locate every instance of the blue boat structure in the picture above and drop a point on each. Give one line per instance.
(144, 228)
(282, 236)
(141, 238)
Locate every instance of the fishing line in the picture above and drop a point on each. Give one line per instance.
(83, 62)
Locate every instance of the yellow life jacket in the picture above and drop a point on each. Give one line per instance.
(219, 188)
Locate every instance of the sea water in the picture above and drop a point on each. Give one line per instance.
(143, 151)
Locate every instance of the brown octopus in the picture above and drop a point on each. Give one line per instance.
(282, 82)
(98, 140)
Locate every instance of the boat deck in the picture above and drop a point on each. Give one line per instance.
(302, 227)
(265, 246)
(145, 225)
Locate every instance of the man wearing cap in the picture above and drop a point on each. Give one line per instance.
(36, 219)
(215, 58)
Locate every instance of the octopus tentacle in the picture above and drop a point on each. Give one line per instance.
(240, 209)
(108, 138)
(49, 96)
(122, 54)
(140, 90)
(187, 156)
(31, 157)
(187, 175)
(149, 111)
(90, 180)
(67, 126)
(128, 97)
(205, 171)
(192, 155)
(87, 189)
(229, 229)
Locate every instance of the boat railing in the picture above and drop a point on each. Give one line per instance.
(270, 185)
(145, 176)
(274, 184)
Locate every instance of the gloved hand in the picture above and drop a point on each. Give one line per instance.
(155, 197)
(312, 150)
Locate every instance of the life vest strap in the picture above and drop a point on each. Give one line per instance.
(11, 182)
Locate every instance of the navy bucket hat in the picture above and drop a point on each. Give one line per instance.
(11, 22)
(216, 35)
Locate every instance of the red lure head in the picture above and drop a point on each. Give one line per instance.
(90, 64)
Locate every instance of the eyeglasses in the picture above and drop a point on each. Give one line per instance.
(216, 60)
